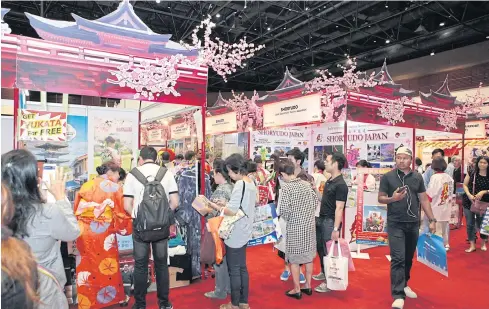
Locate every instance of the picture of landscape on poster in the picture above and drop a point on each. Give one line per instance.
(375, 143)
(70, 154)
(264, 226)
(113, 141)
(371, 218)
(42, 126)
(431, 252)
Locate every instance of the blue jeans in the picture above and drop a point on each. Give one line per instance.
(223, 284)
(324, 229)
(474, 222)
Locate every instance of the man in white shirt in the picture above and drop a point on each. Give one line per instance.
(133, 195)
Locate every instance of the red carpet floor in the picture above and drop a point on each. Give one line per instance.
(466, 287)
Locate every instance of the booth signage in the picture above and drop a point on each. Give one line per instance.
(42, 126)
(221, 123)
(179, 131)
(154, 135)
(475, 129)
(300, 110)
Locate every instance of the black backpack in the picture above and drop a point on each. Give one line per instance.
(154, 215)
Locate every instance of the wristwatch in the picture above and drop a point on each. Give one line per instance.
(335, 229)
(433, 220)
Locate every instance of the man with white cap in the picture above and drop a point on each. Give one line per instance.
(403, 191)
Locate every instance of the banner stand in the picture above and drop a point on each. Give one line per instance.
(360, 255)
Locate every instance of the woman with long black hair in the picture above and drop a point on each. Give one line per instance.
(478, 191)
(39, 223)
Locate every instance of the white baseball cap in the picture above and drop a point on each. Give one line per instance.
(404, 150)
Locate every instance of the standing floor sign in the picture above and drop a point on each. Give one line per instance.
(371, 219)
(264, 226)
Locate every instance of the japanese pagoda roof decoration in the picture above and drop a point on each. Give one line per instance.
(48, 145)
(220, 106)
(440, 98)
(121, 30)
(5, 27)
(289, 87)
(389, 86)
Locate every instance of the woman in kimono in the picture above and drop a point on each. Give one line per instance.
(440, 193)
(100, 213)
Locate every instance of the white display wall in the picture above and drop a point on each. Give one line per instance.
(7, 133)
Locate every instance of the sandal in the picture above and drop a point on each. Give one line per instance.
(214, 295)
(484, 247)
(470, 250)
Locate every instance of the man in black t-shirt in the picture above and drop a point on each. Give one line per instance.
(333, 202)
(403, 191)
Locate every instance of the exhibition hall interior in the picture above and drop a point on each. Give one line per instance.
(244, 154)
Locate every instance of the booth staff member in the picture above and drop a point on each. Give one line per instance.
(403, 191)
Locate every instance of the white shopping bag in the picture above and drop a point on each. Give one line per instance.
(485, 223)
(336, 269)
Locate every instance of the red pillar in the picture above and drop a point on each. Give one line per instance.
(202, 158)
(16, 115)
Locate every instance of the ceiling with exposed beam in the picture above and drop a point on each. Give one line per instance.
(302, 35)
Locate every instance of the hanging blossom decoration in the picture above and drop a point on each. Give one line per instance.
(149, 80)
(222, 57)
(393, 111)
(247, 111)
(472, 105)
(188, 118)
(334, 88)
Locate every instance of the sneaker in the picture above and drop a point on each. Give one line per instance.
(410, 293)
(285, 275)
(302, 279)
(167, 306)
(244, 306)
(319, 277)
(398, 303)
(322, 288)
(215, 295)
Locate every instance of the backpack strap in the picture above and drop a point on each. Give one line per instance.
(139, 176)
(161, 173)
(242, 196)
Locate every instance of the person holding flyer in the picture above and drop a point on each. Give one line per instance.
(403, 191)
(440, 194)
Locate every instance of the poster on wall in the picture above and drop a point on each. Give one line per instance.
(264, 226)
(70, 154)
(42, 126)
(305, 109)
(328, 139)
(371, 218)
(180, 131)
(376, 143)
(279, 141)
(113, 136)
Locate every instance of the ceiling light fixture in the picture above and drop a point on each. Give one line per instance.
(387, 41)
(386, 6)
(375, 41)
(218, 15)
(487, 37)
(307, 8)
(268, 28)
(442, 24)
(157, 1)
(244, 64)
(432, 53)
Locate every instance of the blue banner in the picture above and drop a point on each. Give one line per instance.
(431, 252)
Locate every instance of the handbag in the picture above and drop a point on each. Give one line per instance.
(336, 269)
(228, 222)
(219, 248)
(478, 207)
(207, 248)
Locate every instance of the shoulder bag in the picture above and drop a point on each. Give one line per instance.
(228, 223)
(478, 207)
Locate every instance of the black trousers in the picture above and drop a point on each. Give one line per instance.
(141, 260)
(238, 273)
(403, 238)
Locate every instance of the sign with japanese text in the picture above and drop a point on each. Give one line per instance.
(221, 123)
(301, 110)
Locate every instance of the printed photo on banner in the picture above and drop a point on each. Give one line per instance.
(264, 226)
(321, 152)
(70, 154)
(374, 218)
(113, 141)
